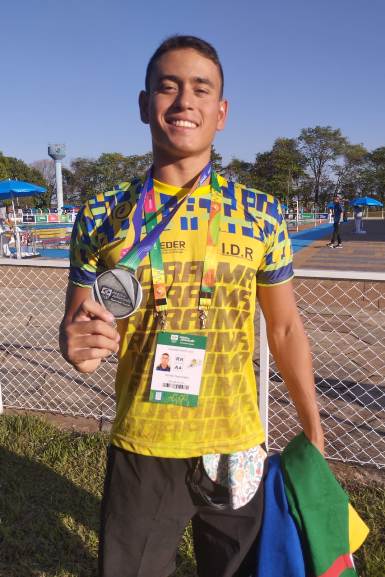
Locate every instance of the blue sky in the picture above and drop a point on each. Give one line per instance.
(71, 71)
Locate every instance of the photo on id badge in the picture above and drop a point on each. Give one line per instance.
(178, 367)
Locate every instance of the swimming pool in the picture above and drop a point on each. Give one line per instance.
(299, 240)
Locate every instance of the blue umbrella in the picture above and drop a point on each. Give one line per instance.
(10, 188)
(366, 201)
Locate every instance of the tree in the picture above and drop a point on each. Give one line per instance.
(350, 172)
(279, 170)
(46, 167)
(374, 177)
(321, 146)
(91, 176)
(240, 171)
(216, 159)
(16, 169)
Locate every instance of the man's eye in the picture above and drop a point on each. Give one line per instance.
(201, 91)
(168, 87)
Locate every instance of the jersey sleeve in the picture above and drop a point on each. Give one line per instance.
(277, 262)
(84, 249)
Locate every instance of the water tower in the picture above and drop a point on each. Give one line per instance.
(58, 152)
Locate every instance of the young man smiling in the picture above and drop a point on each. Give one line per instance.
(172, 431)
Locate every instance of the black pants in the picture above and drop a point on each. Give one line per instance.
(336, 233)
(146, 507)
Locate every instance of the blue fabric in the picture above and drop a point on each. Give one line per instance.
(366, 201)
(337, 209)
(279, 552)
(10, 188)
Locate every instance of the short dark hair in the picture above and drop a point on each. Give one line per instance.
(178, 42)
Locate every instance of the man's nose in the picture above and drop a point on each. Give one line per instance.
(184, 98)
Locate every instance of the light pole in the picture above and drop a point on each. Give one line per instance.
(58, 152)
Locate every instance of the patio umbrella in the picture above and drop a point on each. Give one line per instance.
(11, 188)
(365, 201)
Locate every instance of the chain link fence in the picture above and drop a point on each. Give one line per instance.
(33, 374)
(343, 317)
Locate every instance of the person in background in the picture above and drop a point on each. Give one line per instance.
(358, 219)
(337, 217)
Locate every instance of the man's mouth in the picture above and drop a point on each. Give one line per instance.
(183, 123)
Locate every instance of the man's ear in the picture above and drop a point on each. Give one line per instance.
(143, 106)
(222, 114)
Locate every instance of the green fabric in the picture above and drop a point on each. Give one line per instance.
(318, 504)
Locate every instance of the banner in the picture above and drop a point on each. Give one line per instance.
(28, 218)
(53, 218)
(41, 217)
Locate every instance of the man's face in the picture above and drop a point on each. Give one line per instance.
(184, 107)
(164, 360)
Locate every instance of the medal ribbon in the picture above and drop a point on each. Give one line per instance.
(151, 243)
(211, 260)
(209, 271)
(140, 249)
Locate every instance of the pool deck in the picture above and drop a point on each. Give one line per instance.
(360, 252)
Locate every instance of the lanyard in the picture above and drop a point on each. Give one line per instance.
(151, 243)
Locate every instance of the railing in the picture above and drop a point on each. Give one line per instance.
(343, 314)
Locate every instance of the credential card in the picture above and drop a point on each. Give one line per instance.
(178, 367)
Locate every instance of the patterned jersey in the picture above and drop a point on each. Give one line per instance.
(254, 248)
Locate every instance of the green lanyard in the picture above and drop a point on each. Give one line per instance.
(211, 253)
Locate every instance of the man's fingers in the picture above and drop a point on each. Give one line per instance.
(95, 327)
(81, 355)
(92, 309)
(94, 341)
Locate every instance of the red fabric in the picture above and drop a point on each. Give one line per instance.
(339, 565)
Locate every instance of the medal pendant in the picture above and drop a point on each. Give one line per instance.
(203, 318)
(162, 319)
(119, 291)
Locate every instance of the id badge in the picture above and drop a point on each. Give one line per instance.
(178, 367)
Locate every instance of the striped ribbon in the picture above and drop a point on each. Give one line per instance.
(151, 243)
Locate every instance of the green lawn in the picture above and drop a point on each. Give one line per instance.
(50, 488)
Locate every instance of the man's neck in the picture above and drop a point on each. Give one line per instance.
(182, 172)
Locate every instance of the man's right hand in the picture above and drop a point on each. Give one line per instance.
(89, 336)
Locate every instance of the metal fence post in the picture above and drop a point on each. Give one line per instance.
(264, 377)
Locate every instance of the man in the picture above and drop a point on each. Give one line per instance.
(164, 363)
(155, 480)
(337, 215)
(358, 219)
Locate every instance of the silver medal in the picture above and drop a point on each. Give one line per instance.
(119, 291)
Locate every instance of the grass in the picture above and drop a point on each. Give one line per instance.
(50, 489)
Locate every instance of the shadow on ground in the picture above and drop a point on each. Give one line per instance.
(43, 519)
